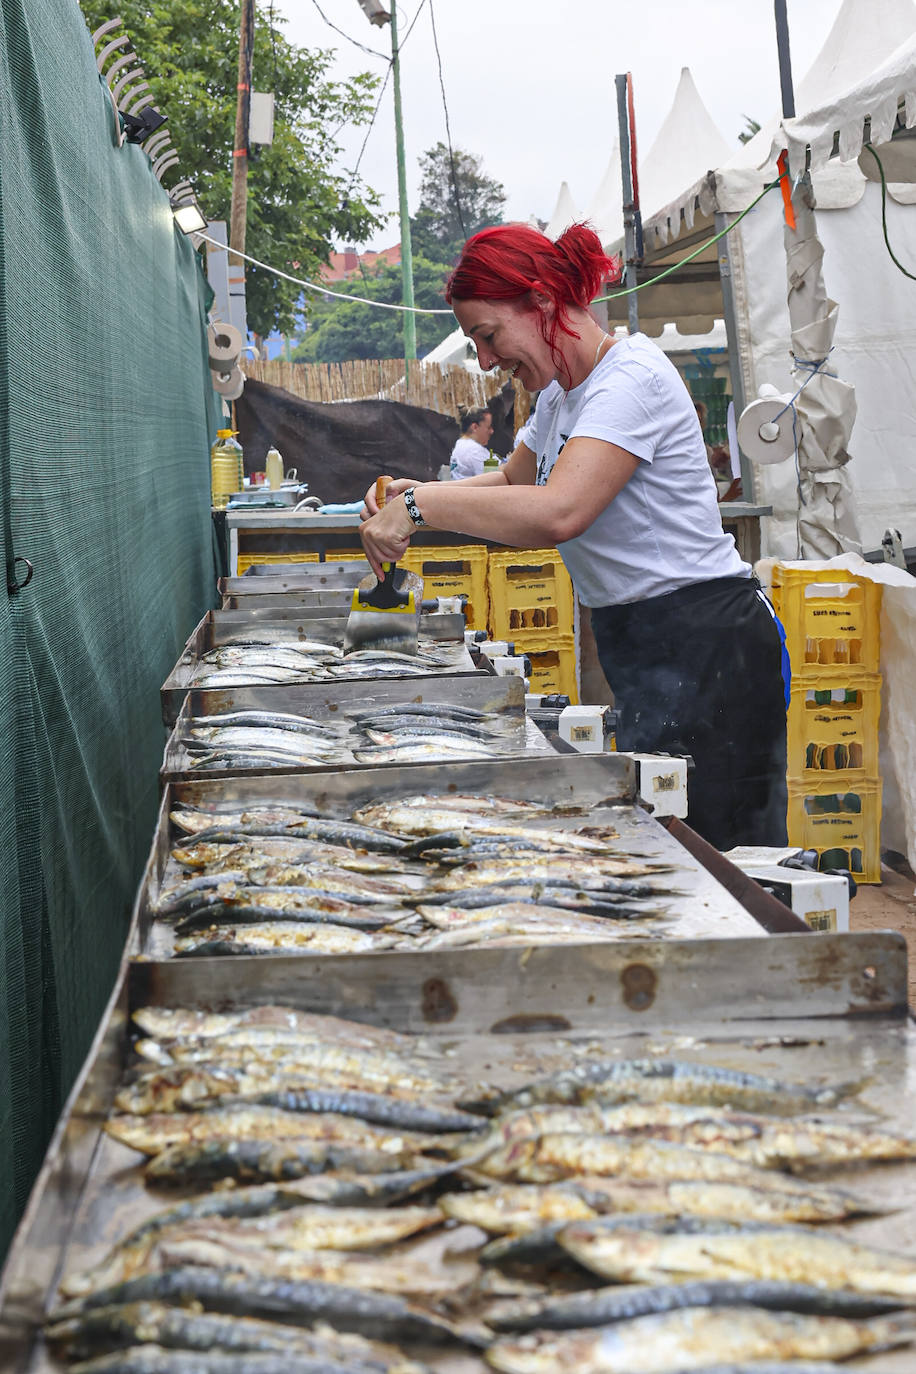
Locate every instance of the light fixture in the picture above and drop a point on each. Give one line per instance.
(186, 210)
(375, 12)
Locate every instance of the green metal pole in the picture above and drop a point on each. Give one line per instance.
(410, 322)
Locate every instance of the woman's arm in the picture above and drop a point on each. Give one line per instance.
(585, 479)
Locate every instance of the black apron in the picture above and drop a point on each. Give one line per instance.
(699, 671)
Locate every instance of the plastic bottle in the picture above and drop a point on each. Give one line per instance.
(275, 469)
(227, 467)
(490, 462)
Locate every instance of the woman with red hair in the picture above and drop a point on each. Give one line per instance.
(612, 469)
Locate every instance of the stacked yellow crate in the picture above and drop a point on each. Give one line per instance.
(247, 560)
(831, 618)
(453, 570)
(532, 604)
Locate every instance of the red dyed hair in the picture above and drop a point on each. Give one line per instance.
(511, 261)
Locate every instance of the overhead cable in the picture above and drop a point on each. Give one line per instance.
(448, 132)
(316, 286)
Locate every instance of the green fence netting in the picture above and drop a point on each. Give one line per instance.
(106, 415)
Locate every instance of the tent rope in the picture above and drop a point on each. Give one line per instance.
(418, 310)
(628, 291)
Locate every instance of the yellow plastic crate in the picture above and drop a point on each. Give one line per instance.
(553, 662)
(530, 589)
(833, 725)
(459, 570)
(247, 560)
(344, 555)
(831, 617)
(842, 823)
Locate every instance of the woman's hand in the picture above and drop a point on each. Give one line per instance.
(386, 533)
(395, 487)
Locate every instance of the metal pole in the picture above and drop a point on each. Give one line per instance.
(785, 60)
(410, 322)
(629, 209)
(239, 207)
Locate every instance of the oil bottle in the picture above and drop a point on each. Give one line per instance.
(227, 469)
(274, 468)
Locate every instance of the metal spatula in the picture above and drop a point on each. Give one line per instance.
(385, 612)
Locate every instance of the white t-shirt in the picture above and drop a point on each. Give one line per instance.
(663, 529)
(468, 458)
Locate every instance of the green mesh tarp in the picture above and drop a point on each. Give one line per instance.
(106, 415)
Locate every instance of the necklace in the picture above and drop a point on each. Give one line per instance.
(605, 338)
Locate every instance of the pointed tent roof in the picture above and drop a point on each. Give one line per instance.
(606, 209)
(860, 42)
(687, 145)
(564, 213)
(863, 36)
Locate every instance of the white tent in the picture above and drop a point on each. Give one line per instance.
(685, 147)
(605, 212)
(564, 213)
(877, 323)
(455, 348)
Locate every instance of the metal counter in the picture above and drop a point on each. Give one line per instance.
(603, 785)
(329, 701)
(812, 1008)
(218, 627)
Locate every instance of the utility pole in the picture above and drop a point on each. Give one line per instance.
(410, 320)
(376, 13)
(239, 208)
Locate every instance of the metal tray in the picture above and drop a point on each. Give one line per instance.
(602, 783)
(300, 571)
(331, 700)
(218, 627)
(812, 1008)
(294, 577)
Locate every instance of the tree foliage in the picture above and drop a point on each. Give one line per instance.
(299, 204)
(339, 331)
(752, 128)
(456, 199)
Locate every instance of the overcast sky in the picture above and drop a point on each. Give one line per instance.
(529, 84)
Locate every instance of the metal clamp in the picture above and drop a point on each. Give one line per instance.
(12, 586)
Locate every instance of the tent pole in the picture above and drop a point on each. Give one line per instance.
(785, 60)
(629, 208)
(732, 335)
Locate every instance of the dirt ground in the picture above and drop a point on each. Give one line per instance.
(890, 905)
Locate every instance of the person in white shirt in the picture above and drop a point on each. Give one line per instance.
(612, 468)
(471, 451)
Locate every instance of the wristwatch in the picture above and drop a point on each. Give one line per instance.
(413, 509)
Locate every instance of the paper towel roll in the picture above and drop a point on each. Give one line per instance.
(229, 384)
(224, 344)
(764, 437)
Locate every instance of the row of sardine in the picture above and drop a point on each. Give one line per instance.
(276, 879)
(242, 662)
(408, 733)
(351, 1147)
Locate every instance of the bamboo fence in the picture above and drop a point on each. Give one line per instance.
(445, 388)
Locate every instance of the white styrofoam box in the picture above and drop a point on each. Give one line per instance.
(508, 665)
(820, 899)
(662, 783)
(496, 648)
(583, 728)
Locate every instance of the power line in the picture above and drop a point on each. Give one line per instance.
(448, 131)
(372, 52)
(316, 286)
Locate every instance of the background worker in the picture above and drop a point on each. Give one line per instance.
(471, 451)
(613, 470)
